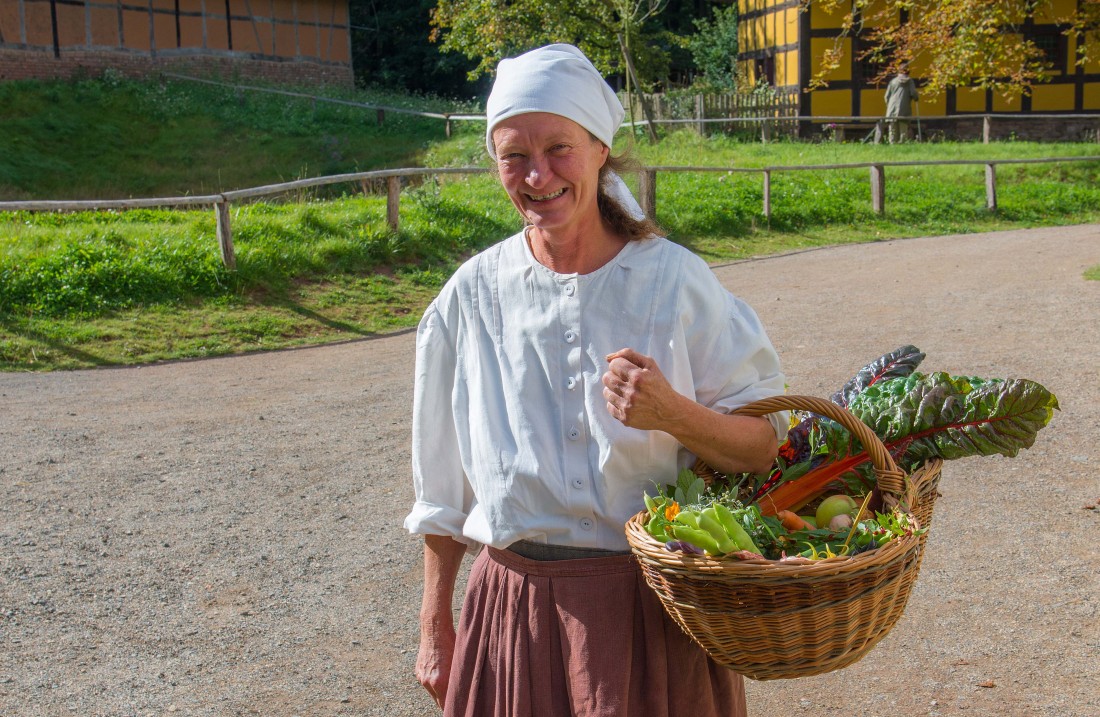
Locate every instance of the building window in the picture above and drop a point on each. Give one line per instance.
(1054, 46)
(871, 71)
(765, 70)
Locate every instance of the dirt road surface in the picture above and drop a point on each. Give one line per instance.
(222, 537)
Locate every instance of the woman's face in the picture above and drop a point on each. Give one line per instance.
(550, 167)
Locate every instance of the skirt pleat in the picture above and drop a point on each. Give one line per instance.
(577, 638)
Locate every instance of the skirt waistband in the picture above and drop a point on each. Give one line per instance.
(546, 551)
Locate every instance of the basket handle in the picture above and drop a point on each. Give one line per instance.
(891, 479)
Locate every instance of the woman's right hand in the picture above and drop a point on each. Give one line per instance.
(433, 662)
(442, 559)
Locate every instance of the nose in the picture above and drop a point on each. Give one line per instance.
(538, 171)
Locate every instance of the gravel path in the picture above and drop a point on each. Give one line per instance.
(222, 537)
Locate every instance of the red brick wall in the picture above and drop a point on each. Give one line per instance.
(284, 41)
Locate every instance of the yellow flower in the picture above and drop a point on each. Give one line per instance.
(672, 511)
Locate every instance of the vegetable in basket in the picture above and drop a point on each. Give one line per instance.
(712, 527)
(917, 416)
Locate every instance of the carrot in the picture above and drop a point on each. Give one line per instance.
(794, 494)
(792, 521)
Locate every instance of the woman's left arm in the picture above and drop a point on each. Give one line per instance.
(640, 396)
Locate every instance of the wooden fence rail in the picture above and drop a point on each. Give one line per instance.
(647, 189)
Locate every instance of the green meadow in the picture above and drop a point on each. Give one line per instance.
(110, 288)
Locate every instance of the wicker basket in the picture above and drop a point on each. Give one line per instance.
(768, 619)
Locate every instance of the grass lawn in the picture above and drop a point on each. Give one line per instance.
(118, 288)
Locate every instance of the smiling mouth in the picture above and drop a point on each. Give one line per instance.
(546, 197)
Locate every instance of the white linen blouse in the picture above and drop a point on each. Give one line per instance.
(511, 434)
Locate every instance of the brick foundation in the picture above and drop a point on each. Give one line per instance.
(36, 65)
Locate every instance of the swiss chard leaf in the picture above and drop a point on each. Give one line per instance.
(900, 362)
(919, 417)
(939, 415)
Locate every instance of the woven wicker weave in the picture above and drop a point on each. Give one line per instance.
(768, 619)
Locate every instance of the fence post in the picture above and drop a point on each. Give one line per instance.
(647, 188)
(768, 193)
(878, 132)
(991, 187)
(700, 115)
(987, 128)
(447, 118)
(878, 189)
(225, 236)
(393, 202)
(765, 131)
(381, 117)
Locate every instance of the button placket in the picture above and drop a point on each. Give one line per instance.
(574, 420)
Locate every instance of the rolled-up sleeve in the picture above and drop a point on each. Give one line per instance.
(758, 373)
(734, 361)
(443, 494)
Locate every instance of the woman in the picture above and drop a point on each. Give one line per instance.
(559, 375)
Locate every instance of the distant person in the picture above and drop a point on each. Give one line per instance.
(901, 93)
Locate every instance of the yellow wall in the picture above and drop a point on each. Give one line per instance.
(874, 17)
(872, 103)
(818, 47)
(786, 68)
(821, 19)
(768, 30)
(831, 103)
(931, 105)
(1054, 10)
(1050, 98)
(1092, 96)
(967, 100)
(1006, 104)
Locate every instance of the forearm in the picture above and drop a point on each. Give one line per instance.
(727, 443)
(442, 560)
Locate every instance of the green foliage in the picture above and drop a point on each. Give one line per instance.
(390, 48)
(714, 50)
(1093, 273)
(487, 31)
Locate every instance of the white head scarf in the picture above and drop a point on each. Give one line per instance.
(560, 80)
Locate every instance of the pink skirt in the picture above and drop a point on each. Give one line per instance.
(584, 638)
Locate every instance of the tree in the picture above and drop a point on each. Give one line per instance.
(957, 43)
(612, 33)
(390, 48)
(489, 30)
(714, 49)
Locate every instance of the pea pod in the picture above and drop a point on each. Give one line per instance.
(708, 521)
(655, 527)
(739, 535)
(688, 518)
(697, 537)
(650, 504)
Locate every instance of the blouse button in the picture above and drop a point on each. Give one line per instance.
(570, 289)
(570, 383)
(586, 523)
(578, 483)
(570, 336)
(574, 434)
